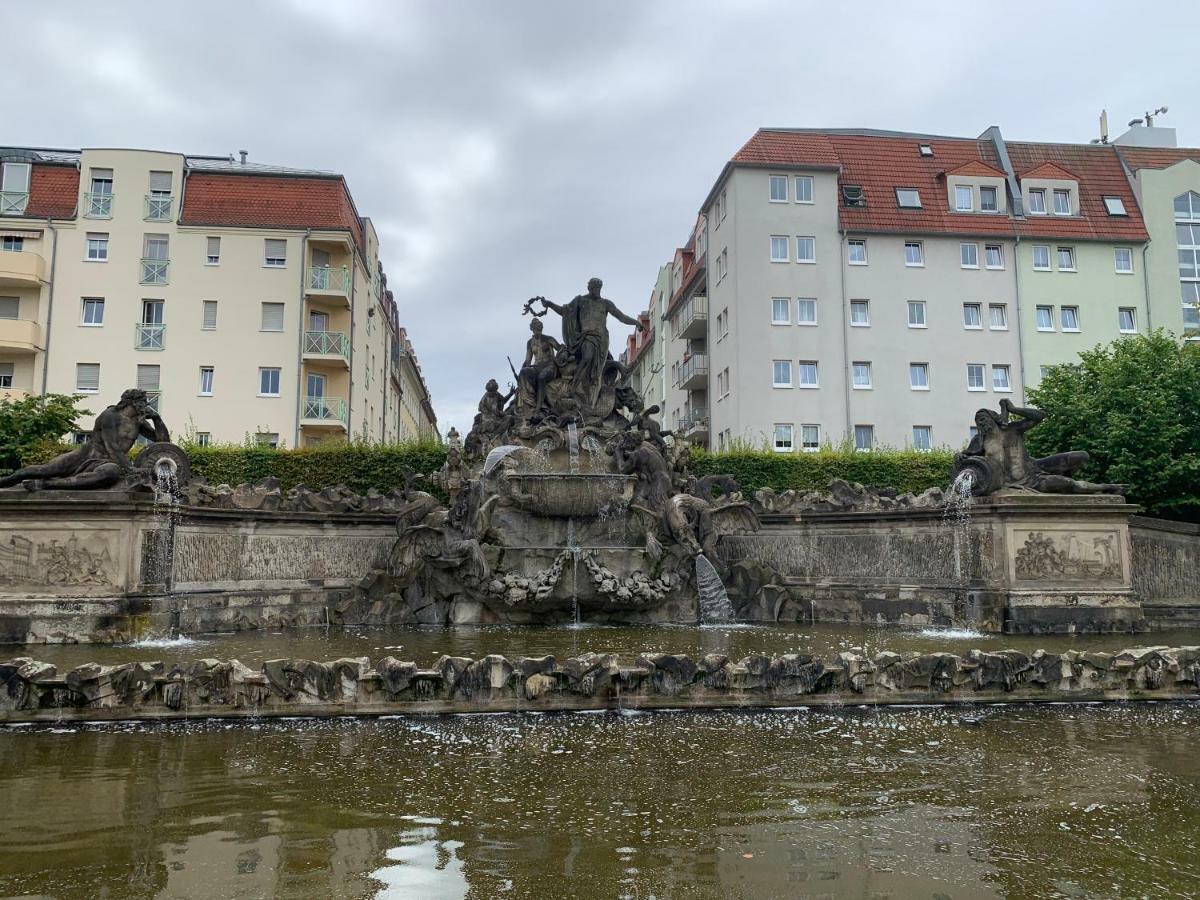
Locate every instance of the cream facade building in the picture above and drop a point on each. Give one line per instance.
(249, 300)
(876, 288)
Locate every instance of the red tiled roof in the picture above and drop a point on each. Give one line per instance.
(1099, 174)
(1156, 157)
(1050, 170)
(975, 167)
(52, 192)
(269, 201)
(787, 148)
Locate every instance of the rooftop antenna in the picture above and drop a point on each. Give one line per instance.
(1150, 116)
(243, 154)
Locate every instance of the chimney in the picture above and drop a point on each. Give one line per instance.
(243, 154)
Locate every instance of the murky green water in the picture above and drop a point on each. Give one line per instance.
(424, 645)
(1064, 801)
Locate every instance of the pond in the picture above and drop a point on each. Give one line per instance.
(1015, 801)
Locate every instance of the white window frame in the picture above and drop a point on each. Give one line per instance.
(262, 371)
(978, 307)
(959, 190)
(1115, 206)
(1040, 193)
(209, 258)
(804, 444)
(865, 367)
(987, 256)
(87, 390)
(262, 319)
(816, 370)
(203, 438)
(996, 369)
(99, 238)
(962, 255)
(1037, 317)
(913, 369)
(788, 445)
(800, 320)
(920, 246)
(804, 195)
(15, 307)
(995, 198)
(211, 378)
(864, 305)
(869, 431)
(928, 438)
(1060, 192)
(992, 326)
(1034, 256)
(1057, 262)
(851, 246)
(780, 240)
(917, 304)
(772, 182)
(802, 240)
(1117, 251)
(786, 302)
(97, 303)
(910, 193)
(982, 369)
(274, 262)
(1062, 313)
(203, 317)
(1132, 318)
(775, 366)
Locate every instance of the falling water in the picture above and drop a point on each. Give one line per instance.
(497, 454)
(573, 447)
(714, 601)
(542, 452)
(956, 519)
(593, 449)
(166, 514)
(573, 547)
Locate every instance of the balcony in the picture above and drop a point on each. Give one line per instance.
(154, 271)
(691, 319)
(329, 280)
(21, 268)
(695, 425)
(149, 337)
(330, 346)
(154, 400)
(20, 336)
(12, 203)
(693, 374)
(158, 207)
(97, 206)
(324, 411)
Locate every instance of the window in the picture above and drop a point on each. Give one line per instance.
(975, 377)
(918, 376)
(860, 313)
(779, 188)
(93, 311)
(1037, 201)
(998, 316)
(12, 244)
(972, 315)
(267, 439)
(806, 250)
(781, 311)
(1043, 371)
(864, 438)
(272, 317)
(783, 439)
(1127, 320)
(969, 255)
(158, 201)
(1062, 203)
(993, 256)
(208, 321)
(275, 253)
(1115, 206)
(1041, 257)
(87, 378)
(1045, 318)
(808, 374)
(723, 382)
(987, 199)
(963, 198)
(156, 254)
(97, 247)
(925, 149)
(213, 255)
(806, 311)
(856, 253)
(1000, 380)
(804, 189)
(914, 253)
(268, 382)
(862, 375)
(916, 313)
(1066, 259)
(7, 370)
(1070, 318)
(922, 437)
(206, 381)
(723, 324)
(908, 198)
(722, 266)
(810, 438)
(10, 307)
(203, 438)
(781, 373)
(779, 248)
(1123, 260)
(14, 188)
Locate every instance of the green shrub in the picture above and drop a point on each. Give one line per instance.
(30, 428)
(904, 470)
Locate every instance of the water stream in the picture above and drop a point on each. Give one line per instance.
(714, 600)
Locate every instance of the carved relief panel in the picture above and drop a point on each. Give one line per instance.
(1080, 557)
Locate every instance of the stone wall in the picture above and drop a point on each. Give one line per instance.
(32, 691)
(1166, 571)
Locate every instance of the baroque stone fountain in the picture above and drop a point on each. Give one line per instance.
(566, 502)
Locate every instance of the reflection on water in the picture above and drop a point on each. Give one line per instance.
(1068, 801)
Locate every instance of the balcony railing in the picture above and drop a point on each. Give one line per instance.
(97, 206)
(149, 337)
(325, 409)
(692, 318)
(154, 400)
(155, 271)
(327, 343)
(12, 203)
(693, 373)
(329, 278)
(158, 206)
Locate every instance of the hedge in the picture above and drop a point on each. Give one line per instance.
(904, 470)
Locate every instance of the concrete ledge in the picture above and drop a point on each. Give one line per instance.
(32, 691)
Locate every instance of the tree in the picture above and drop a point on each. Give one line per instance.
(29, 424)
(1134, 405)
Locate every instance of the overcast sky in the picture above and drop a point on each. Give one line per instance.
(507, 149)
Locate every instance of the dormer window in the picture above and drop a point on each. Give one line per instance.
(987, 199)
(1115, 206)
(908, 198)
(1037, 202)
(1062, 203)
(963, 198)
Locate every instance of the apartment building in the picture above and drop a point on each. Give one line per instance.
(878, 287)
(248, 300)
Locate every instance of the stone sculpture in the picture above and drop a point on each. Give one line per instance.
(997, 458)
(102, 461)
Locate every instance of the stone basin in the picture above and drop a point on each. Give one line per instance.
(563, 495)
